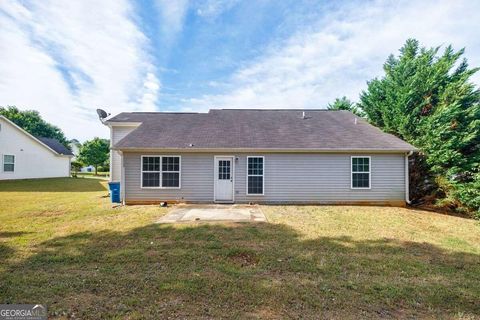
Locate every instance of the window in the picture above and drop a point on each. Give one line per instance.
(8, 163)
(160, 172)
(255, 175)
(360, 172)
(224, 170)
(170, 172)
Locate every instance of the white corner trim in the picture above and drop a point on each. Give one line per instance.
(407, 178)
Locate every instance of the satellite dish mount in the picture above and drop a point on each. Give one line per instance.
(102, 114)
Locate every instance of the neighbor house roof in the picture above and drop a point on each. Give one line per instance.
(56, 145)
(255, 129)
(53, 145)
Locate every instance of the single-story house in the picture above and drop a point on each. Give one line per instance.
(24, 156)
(256, 156)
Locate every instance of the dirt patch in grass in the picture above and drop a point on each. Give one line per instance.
(243, 258)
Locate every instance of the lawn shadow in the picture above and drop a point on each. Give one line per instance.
(242, 271)
(5, 253)
(11, 234)
(53, 185)
(439, 210)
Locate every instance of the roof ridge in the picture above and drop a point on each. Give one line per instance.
(265, 109)
(160, 112)
(228, 109)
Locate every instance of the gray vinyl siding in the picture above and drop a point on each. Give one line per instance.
(289, 178)
(118, 133)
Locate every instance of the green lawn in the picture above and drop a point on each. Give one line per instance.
(62, 244)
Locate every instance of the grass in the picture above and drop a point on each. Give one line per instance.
(62, 244)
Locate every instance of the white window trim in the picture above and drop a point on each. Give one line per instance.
(4, 163)
(369, 173)
(256, 175)
(160, 171)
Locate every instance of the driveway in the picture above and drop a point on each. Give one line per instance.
(217, 212)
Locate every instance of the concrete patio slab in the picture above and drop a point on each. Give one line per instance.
(220, 212)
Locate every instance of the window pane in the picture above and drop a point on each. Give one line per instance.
(255, 166)
(8, 159)
(170, 164)
(151, 179)
(151, 164)
(360, 180)
(170, 180)
(360, 164)
(224, 169)
(255, 185)
(8, 167)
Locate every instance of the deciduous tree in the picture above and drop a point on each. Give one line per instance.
(95, 152)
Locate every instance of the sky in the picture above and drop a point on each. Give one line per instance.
(67, 58)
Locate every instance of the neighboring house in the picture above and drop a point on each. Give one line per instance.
(257, 156)
(24, 156)
(89, 168)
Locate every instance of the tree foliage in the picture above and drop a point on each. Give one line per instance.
(32, 122)
(426, 98)
(75, 167)
(95, 152)
(344, 103)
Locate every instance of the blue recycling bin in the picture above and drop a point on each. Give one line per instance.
(114, 191)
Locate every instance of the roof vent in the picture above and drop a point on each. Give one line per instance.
(303, 114)
(355, 120)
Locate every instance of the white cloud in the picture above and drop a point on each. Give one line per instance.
(213, 8)
(346, 48)
(65, 59)
(172, 17)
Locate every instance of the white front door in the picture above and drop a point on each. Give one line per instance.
(224, 179)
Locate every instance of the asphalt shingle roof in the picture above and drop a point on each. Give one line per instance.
(56, 146)
(256, 129)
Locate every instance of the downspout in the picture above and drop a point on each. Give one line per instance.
(122, 179)
(407, 176)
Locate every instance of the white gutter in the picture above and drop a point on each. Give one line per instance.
(407, 176)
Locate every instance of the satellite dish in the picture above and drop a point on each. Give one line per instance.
(102, 114)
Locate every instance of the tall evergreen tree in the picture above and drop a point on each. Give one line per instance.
(344, 103)
(428, 99)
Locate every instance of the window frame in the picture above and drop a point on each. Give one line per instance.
(256, 175)
(4, 163)
(369, 172)
(160, 172)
